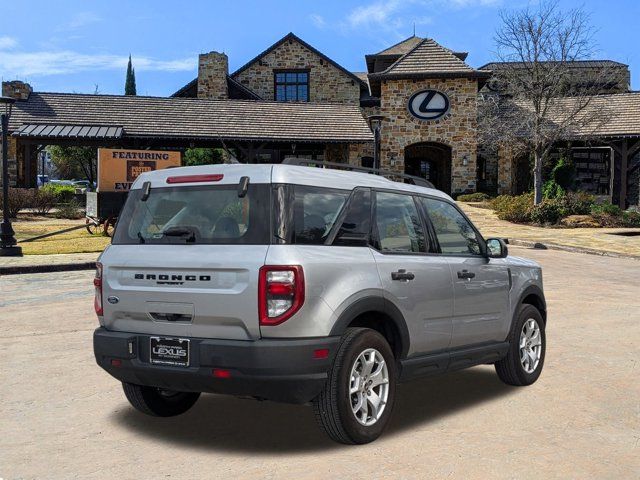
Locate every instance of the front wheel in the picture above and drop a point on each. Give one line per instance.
(158, 402)
(356, 403)
(523, 364)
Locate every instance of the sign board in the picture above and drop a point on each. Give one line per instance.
(428, 105)
(118, 169)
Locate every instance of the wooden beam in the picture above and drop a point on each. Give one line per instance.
(624, 160)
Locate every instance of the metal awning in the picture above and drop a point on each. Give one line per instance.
(69, 131)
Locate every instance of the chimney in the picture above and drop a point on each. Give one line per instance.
(213, 68)
(16, 89)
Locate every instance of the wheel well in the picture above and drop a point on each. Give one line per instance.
(383, 324)
(536, 301)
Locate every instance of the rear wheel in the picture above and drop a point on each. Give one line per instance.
(158, 402)
(356, 403)
(523, 364)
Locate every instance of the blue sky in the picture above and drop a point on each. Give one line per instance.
(73, 45)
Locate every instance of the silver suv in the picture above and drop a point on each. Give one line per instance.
(306, 285)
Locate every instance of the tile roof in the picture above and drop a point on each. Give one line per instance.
(429, 58)
(192, 118)
(402, 47)
(574, 64)
(611, 115)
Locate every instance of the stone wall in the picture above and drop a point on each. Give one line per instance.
(16, 89)
(213, 68)
(457, 129)
(11, 156)
(326, 82)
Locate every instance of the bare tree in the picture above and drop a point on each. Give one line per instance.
(538, 96)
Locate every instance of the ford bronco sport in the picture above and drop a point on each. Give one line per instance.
(306, 285)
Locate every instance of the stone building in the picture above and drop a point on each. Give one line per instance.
(419, 97)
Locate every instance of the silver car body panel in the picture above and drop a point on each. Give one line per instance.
(220, 299)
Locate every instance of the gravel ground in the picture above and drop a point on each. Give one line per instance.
(63, 417)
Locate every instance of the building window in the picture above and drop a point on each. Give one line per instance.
(292, 86)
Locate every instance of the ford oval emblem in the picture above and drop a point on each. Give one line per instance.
(113, 300)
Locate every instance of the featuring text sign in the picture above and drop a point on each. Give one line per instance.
(428, 104)
(118, 169)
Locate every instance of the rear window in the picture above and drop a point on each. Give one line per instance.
(201, 215)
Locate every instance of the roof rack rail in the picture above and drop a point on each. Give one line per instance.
(421, 182)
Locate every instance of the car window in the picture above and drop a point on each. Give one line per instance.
(203, 214)
(398, 224)
(316, 210)
(357, 219)
(454, 232)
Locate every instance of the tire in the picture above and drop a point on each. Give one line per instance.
(157, 402)
(333, 407)
(511, 369)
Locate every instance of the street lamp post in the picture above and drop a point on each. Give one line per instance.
(8, 247)
(376, 122)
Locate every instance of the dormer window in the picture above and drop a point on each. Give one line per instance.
(292, 86)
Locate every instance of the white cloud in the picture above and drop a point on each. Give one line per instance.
(82, 19)
(7, 43)
(379, 12)
(318, 20)
(22, 64)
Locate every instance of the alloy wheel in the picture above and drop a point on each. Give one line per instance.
(530, 345)
(369, 386)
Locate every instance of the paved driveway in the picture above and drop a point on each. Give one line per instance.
(62, 417)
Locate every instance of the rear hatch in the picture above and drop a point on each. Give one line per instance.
(185, 259)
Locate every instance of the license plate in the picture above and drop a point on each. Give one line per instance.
(169, 351)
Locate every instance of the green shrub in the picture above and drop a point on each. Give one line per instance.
(63, 193)
(69, 210)
(551, 189)
(631, 218)
(43, 201)
(606, 209)
(513, 209)
(548, 212)
(19, 199)
(473, 197)
(564, 173)
(578, 203)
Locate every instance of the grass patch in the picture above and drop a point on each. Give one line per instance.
(77, 241)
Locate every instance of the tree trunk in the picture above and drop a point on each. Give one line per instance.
(537, 177)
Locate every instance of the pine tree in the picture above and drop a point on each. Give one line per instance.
(130, 83)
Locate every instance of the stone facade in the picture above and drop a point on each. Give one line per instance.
(16, 89)
(20, 91)
(327, 83)
(457, 129)
(213, 68)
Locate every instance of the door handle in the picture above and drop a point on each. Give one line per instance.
(466, 274)
(402, 275)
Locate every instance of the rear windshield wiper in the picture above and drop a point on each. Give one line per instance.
(178, 231)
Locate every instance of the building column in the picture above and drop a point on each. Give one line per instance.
(505, 171)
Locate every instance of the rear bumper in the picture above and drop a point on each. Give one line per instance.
(279, 370)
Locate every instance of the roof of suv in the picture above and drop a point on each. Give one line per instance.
(278, 173)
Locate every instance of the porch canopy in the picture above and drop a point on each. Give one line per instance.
(611, 120)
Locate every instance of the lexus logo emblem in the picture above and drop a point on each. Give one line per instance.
(428, 104)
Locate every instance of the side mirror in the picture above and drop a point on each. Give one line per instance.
(496, 248)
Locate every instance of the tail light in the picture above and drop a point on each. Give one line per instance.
(97, 282)
(280, 293)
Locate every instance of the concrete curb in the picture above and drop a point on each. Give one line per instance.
(61, 267)
(554, 246)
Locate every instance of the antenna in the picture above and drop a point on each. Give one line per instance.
(414, 29)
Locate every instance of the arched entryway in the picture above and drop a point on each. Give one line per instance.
(430, 160)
